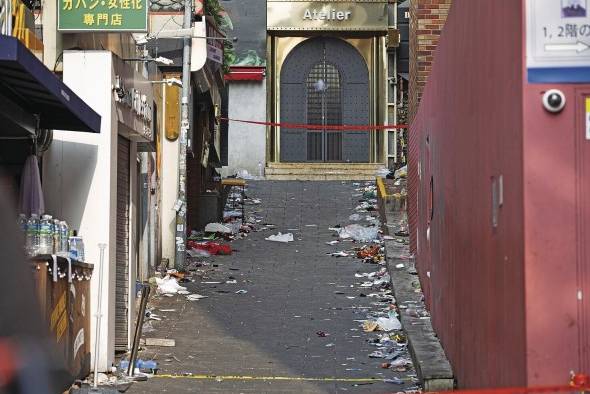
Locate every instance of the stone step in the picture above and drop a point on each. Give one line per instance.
(322, 171)
(323, 166)
(314, 171)
(320, 177)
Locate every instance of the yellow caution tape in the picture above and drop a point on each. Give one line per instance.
(282, 378)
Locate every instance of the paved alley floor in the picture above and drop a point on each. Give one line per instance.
(294, 291)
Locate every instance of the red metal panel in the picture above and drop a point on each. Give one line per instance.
(246, 74)
(557, 210)
(468, 132)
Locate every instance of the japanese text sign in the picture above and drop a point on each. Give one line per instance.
(102, 15)
(558, 40)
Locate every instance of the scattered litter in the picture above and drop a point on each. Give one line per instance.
(197, 253)
(401, 173)
(335, 242)
(401, 364)
(167, 310)
(244, 174)
(147, 327)
(389, 323)
(393, 380)
(369, 252)
(311, 225)
(339, 254)
(195, 297)
(281, 237)
(168, 285)
(382, 172)
(142, 365)
(399, 266)
(242, 291)
(370, 326)
(164, 342)
(330, 345)
(358, 233)
(322, 334)
(217, 228)
(355, 217)
(212, 248)
(231, 282)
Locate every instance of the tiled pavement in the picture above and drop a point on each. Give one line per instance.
(294, 291)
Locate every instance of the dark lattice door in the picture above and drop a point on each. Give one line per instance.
(324, 107)
(324, 81)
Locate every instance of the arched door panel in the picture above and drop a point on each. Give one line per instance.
(324, 81)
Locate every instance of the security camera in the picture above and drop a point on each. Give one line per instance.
(119, 88)
(554, 100)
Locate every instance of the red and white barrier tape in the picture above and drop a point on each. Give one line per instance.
(319, 127)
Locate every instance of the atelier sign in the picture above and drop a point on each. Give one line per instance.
(369, 15)
(332, 14)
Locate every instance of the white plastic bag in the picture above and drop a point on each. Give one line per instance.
(281, 238)
(359, 233)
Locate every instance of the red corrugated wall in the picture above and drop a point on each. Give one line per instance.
(469, 130)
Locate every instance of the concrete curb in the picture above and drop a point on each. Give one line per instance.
(432, 366)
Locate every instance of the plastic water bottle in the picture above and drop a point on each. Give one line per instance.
(65, 233)
(56, 235)
(77, 248)
(46, 235)
(73, 247)
(22, 226)
(22, 223)
(144, 365)
(81, 254)
(32, 235)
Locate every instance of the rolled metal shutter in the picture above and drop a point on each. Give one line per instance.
(122, 249)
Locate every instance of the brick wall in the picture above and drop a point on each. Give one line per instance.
(427, 18)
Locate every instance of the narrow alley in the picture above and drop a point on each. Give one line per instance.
(299, 321)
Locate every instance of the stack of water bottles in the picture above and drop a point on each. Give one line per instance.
(45, 235)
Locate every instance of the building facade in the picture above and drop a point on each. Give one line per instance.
(101, 177)
(327, 65)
